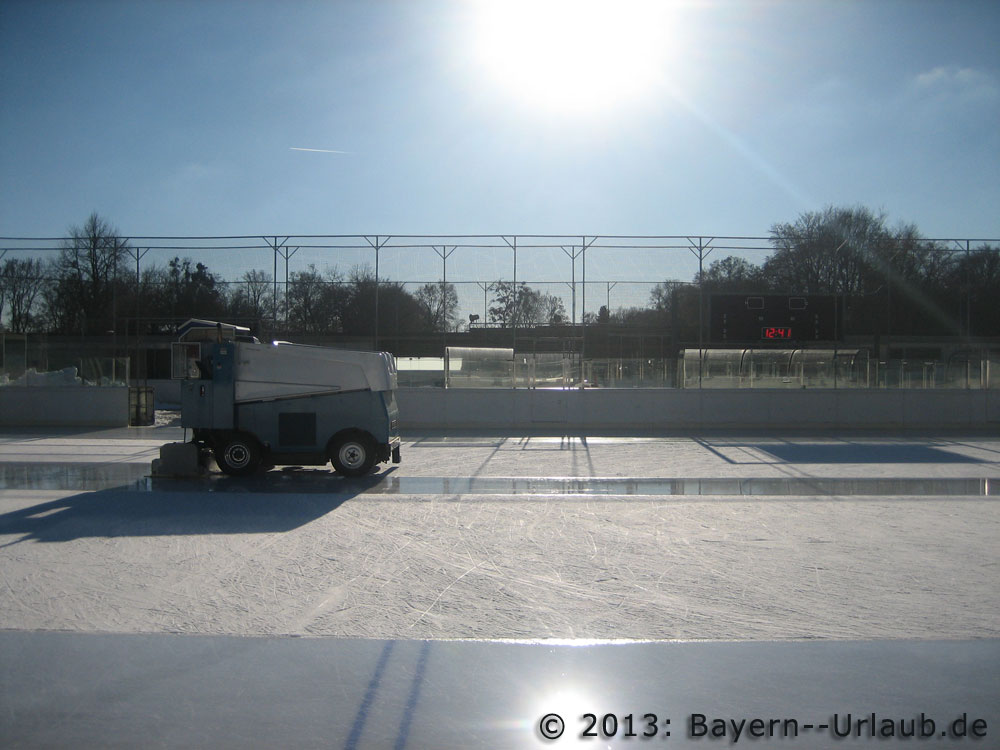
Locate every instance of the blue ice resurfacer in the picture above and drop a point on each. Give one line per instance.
(255, 404)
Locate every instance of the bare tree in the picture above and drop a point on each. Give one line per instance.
(518, 305)
(3, 295)
(315, 300)
(552, 310)
(663, 300)
(440, 305)
(893, 275)
(732, 274)
(399, 312)
(502, 308)
(253, 296)
(972, 286)
(83, 296)
(832, 251)
(21, 280)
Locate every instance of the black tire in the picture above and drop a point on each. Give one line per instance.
(238, 455)
(353, 455)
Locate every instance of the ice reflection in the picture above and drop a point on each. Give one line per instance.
(69, 476)
(392, 484)
(557, 714)
(89, 477)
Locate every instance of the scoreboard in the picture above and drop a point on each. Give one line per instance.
(773, 318)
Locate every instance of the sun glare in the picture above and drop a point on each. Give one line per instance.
(573, 55)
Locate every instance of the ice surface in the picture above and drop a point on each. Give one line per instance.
(290, 559)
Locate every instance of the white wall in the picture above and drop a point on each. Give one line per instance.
(667, 409)
(55, 406)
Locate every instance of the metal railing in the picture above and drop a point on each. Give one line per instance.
(530, 370)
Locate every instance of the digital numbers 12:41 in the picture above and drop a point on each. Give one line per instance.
(775, 332)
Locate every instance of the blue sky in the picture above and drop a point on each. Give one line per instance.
(179, 118)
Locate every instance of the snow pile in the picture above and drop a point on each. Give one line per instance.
(64, 377)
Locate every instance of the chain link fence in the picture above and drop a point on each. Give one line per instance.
(594, 311)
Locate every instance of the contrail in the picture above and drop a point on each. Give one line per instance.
(319, 150)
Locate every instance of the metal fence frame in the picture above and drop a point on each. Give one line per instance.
(280, 249)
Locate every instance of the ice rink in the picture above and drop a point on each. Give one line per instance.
(464, 598)
(713, 537)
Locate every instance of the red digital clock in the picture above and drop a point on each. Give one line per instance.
(775, 332)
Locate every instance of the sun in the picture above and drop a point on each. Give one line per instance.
(570, 56)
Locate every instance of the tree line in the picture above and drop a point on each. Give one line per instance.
(91, 288)
(891, 279)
